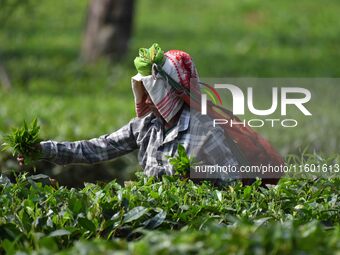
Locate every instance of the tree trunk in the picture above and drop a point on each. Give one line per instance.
(108, 29)
(5, 82)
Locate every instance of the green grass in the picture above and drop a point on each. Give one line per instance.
(238, 38)
(247, 38)
(40, 49)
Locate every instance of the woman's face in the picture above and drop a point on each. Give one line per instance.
(148, 101)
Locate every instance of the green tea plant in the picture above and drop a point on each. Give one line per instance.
(182, 162)
(23, 141)
(302, 214)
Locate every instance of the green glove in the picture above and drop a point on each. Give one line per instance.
(147, 57)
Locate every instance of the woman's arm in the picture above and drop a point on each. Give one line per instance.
(95, 150)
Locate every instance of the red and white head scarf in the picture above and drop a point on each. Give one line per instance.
(180, 67)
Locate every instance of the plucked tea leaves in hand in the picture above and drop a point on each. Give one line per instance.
(23, 141)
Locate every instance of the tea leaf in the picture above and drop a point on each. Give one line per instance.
(134, 214)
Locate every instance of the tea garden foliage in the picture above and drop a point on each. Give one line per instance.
(170, 216)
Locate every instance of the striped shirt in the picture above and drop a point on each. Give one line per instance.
(155, 146)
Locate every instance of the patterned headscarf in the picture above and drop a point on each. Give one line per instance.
(178, 65)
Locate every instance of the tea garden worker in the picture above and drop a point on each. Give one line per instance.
(162, 122)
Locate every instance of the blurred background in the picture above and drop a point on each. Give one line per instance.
(69, 63)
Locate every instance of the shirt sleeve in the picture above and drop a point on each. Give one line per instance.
(104, 148)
